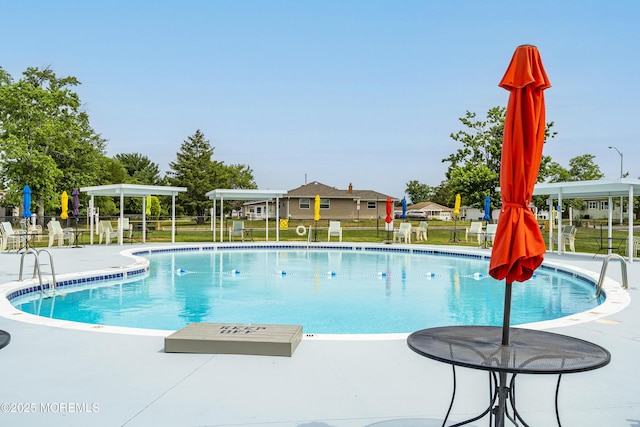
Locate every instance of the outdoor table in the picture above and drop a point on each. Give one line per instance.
(76, 237)
(528, 352)
(4, 339)
(248, 233)
(608, 244)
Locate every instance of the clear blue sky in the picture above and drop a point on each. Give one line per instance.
(365, 92)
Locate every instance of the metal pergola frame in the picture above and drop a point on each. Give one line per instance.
(133, 190)
(246, 195)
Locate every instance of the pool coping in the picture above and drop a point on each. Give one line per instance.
(616, 298)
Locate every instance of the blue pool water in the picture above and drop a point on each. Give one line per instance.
(327, 291)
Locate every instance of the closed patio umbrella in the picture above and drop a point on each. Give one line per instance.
(64, 202)
(316, 216)
(75, 202)
(518, 247)
(389, 217)
(404, 208)
(487, 209)
(456, 215)
(26, 202)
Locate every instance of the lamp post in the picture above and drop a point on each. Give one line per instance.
(621, 176)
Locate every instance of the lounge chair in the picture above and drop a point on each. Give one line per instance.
(491, 233)
(10, 239)
(127, 228)
(421, 231)
(236, 230)
(105, 230)
(635, 245)
(56, 232)
(568, 236)
(335, 230)
(475, 229)
(404, 232)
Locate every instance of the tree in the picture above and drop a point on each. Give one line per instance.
(195, 170)
(140, 169)
(46, 140)
(474, 170)
(418, 192)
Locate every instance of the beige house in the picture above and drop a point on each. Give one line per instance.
(433, 210)
(335, 204)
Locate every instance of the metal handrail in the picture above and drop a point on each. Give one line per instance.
(603, 271)
(37, 272)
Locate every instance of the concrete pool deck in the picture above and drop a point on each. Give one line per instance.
(70, 377)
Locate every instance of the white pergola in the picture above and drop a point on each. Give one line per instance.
(133, 190)
(246, 195)
(621, 187)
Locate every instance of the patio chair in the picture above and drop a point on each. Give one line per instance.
(105, 230)
(10, 239)
(491, 233)
(404, 232)
(56, 232)
(568, 236)
(635, 245)
(421, 231)
(335, 230)
(127, 228)
(475, 229)
(236, 230)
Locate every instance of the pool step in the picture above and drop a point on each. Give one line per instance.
(229, 338)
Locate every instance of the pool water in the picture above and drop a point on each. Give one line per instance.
(327, 291)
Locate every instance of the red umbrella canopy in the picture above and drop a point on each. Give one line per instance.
(519, 246)
(389, 217)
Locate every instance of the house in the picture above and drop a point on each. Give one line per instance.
(335, 204)
(433, 210)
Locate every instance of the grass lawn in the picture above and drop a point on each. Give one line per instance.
(440, 233)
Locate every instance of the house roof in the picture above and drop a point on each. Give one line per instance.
(429, 206)
(315, 187)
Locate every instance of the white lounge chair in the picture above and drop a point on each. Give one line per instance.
(105, 230)
(127, 228)
(404, 232)
(568, 236)
(236, 230)
(475, 229)
(491, 233)
(335, 230)
(421, 231)
(10, 239)
(56, 232)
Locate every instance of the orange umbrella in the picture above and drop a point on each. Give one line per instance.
(64, 201)
(518, 247)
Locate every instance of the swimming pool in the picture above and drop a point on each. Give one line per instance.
(328, 290)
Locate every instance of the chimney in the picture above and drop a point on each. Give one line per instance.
(350, 188)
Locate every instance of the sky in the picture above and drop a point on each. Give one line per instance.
(335, 91)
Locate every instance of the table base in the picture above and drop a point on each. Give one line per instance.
(502, 410)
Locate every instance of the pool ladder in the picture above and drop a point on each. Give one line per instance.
(36, 267)
(603, 272)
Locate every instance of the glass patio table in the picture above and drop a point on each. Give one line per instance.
(529, 352)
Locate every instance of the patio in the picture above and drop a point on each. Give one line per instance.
(69, 377)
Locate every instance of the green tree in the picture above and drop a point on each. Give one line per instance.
(46, 140)
(474, 170)
(195, 170)
(418, 192)
(140, 169)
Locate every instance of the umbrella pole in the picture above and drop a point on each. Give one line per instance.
(503, 390)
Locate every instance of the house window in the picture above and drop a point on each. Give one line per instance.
(305, 203)
(371, 205)
(592, 204)
(324, 204)
(604, 205)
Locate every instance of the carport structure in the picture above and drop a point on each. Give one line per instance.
(621, 187)
(133, 190)
(246, 195)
